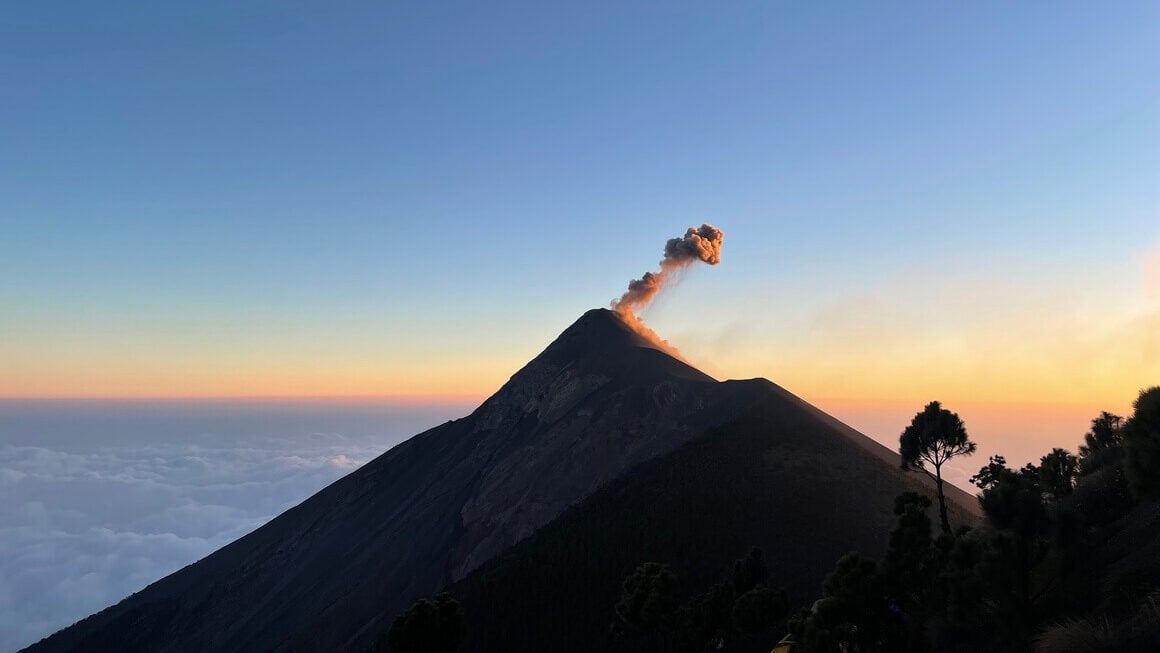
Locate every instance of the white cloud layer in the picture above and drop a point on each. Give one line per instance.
(85, 523)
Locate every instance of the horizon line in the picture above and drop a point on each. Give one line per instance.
(385, 398)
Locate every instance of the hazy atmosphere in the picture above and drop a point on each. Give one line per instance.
(103, 498)
(245, 248)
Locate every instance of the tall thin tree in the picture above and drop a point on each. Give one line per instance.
(934, 436)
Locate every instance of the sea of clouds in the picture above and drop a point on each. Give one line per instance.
(99, 499)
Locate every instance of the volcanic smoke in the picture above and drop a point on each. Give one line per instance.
(698, 244)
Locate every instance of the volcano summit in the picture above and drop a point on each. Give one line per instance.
(600, 435)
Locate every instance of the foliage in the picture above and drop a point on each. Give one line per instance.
(854, 611)
(750, 571)
(705, 618)
(1058, 545)
(991, 473)
(1057, 472)
(757, 611)
(866, 606)
(649, 598)
(739, 614)
(911, 565)
(1016, 581)
(1012, 500)
(1102, 443)
(1142, 445)
(934, 436)
(428, 627)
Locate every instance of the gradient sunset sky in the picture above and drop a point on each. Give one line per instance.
(919, 200)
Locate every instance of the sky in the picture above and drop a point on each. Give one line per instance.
(207, 204)
(410, 200)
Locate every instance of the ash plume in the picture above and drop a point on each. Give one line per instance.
(698, 244)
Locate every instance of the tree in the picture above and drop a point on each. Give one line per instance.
(934, 436)
(428, 627)
(1057, 472)
(991, 474)
(757, 611)
(1142, 445)
(910, 566)
(650, 600)
(1101, 443)
(853, 613)
(749, 572)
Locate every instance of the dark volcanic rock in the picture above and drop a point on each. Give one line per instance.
(329, 573)
(781, 476)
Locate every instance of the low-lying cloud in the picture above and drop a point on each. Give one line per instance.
(84, 524)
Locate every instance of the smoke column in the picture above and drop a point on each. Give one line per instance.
(698, 244)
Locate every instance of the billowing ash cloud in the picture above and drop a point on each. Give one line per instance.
(698, 244)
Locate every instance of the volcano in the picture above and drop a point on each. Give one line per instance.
(603, 449)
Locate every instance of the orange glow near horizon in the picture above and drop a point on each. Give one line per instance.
(437, 383)
(982, 340)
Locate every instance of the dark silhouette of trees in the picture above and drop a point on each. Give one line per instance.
(934, 436)
(1057, 472)
(740, 614)
(1102, 443)
(1142, 445)
(853, 610)
(750, 571)
(1064, 559)
(436, 626)
(911, 565)
(995, 568)
(649, 601)
(757, 611)
(756, 607)
(869, 606)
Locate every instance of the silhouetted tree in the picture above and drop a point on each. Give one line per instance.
(428, 627)
(757, 611)
(1102, 443)
(650, 600)
(712, 620)
(1012, 500)
(934, 436)
(993, 599)
(704, 621)
(853, 611)
(1142, 445)
(749, 572)
(911, 566)
(991, 473)
(1057, 471)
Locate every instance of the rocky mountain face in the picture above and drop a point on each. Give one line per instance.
(779, 475)
(329, 573)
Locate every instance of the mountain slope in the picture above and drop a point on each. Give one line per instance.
(781, 475)
(324, 574)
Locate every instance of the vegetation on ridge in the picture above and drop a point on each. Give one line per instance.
(1067, 558)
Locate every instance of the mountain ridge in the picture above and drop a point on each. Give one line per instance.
(597, 401)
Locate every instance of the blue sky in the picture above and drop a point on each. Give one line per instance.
(374, 198)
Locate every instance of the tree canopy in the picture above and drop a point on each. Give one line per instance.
(436, 626)
(934, 436)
